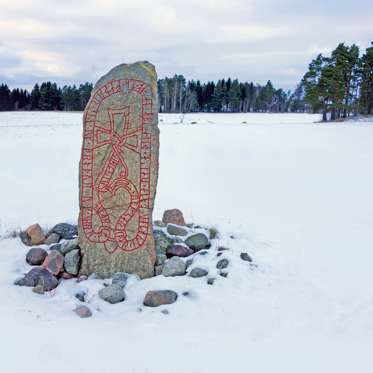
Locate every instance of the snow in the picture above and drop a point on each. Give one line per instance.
(295, 195)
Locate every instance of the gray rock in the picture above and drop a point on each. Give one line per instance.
(198, 272)
(80, 295)
(160, 259)
(224, 274)
(210, 281)
(162, 242)
(159, 223)
(38, 289)
(25, 238)
(176, 230)
(158, 270)
(55, 247)
(120, 278)
(222, 248)
(69, 245)
(38, 276)
(157, 298)
(174, 267)
(36, 256)
(189, 262)
(83, 312)
(112, 294)
(246, 257)
(198, 241)
(52, 238)
(72, 262)
(65, 230)
(179, 250)
(222, 263)
(204, 252)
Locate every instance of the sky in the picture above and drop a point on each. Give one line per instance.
(73, 41)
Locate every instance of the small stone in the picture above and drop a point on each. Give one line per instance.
(35, 233)
(158, 270)
(160, 259)
(198, 272)
(67, 276)
(56, 246)
(81, 295)
(69, 245)
(54, 262)
(157, 298)
(223, 274)
(52, 238)
(36, 256)
(179, 250)
(246, 257)
(159, 223)
(222, 248)
(173, 216)
(36, 276)
(165, 312)
(112, 294)
(210, 281)
(198, 241)
(65, 230)
(38, 289)
(162, 242)
(25, 238)
(204, 252)
(174, 267)
(72, 262)
(219, 254)
(120, 278)
(222, 263)
(213, 233)
(189, 262)
(176, 230)
(83, 311)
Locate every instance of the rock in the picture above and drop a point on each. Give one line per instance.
(157, 298)
(38, 289)
(36, 256)
(69, 245)
(198, 241)
(174, 267)
(38, 276)
(162, 242)
(189, 262)
(213, 233)
(72, 262)
(246, 257)
(83, 312)
(120, 278)
(173, 216)
(224, 274)
(176, 230)
(160, 259)
(165, 312)
(25, 238)
(120, 159)
(67, 276)
(204, 252)
(54, 262)
(222, 263)
(65, 230)
(56, 246)
(219, 254)
(222, 248)
(35, 233)
(158, 270)
(80, 295)
(198, 272)
(112, 294)
(52, 238)
(179, 250)
(159, 223)
(210, 281)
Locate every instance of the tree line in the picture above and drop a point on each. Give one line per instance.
(340, 84)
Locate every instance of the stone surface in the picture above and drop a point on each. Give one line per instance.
(52, 238)
(119, 172)
(158, 270)
(162, 242)
(155, 298)
(65, 230)
(67, 276)
(173, 216)
(36, 256)
(174, 267)
(38, 289)
(176, 230)
(120, 278)
(83, 312)
(159, 223)
(160, 259)
(198, 241)
(25, 238)
(179, 250)
(224, 274)
(72, 262)
(222, 263)
(222, 248)
(38, 276)
(210, 281)
(35, 233)
(56, 246)
(54, 262)
(246, 257)
(198, 272)
(68, 245)
(80, 295)
(112, 294)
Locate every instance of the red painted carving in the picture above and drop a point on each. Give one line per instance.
(97, 188)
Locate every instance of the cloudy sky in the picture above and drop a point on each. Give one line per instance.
(72, 41)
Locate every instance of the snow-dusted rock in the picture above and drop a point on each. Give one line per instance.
(36, 276)
(35, 233)
(36, 256)
(198, 272)
(112, 294)
(246, 257)
(176, 230)
(198, 241)
(72, 262)
(173, 216)
(52, 238)
(162, 242)
(69, 245)
(65, 230)
(160, 259)
(179, 250)
(174, 267)
(157, 298)
(222, 263)
(83, 311)
(120, 278)
(54, 262)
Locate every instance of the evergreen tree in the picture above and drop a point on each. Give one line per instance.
(366, 98)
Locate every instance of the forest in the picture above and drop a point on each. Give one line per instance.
(337, 86)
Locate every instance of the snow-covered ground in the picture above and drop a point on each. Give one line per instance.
(297, 196)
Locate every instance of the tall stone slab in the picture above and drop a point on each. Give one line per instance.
(118, 173)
